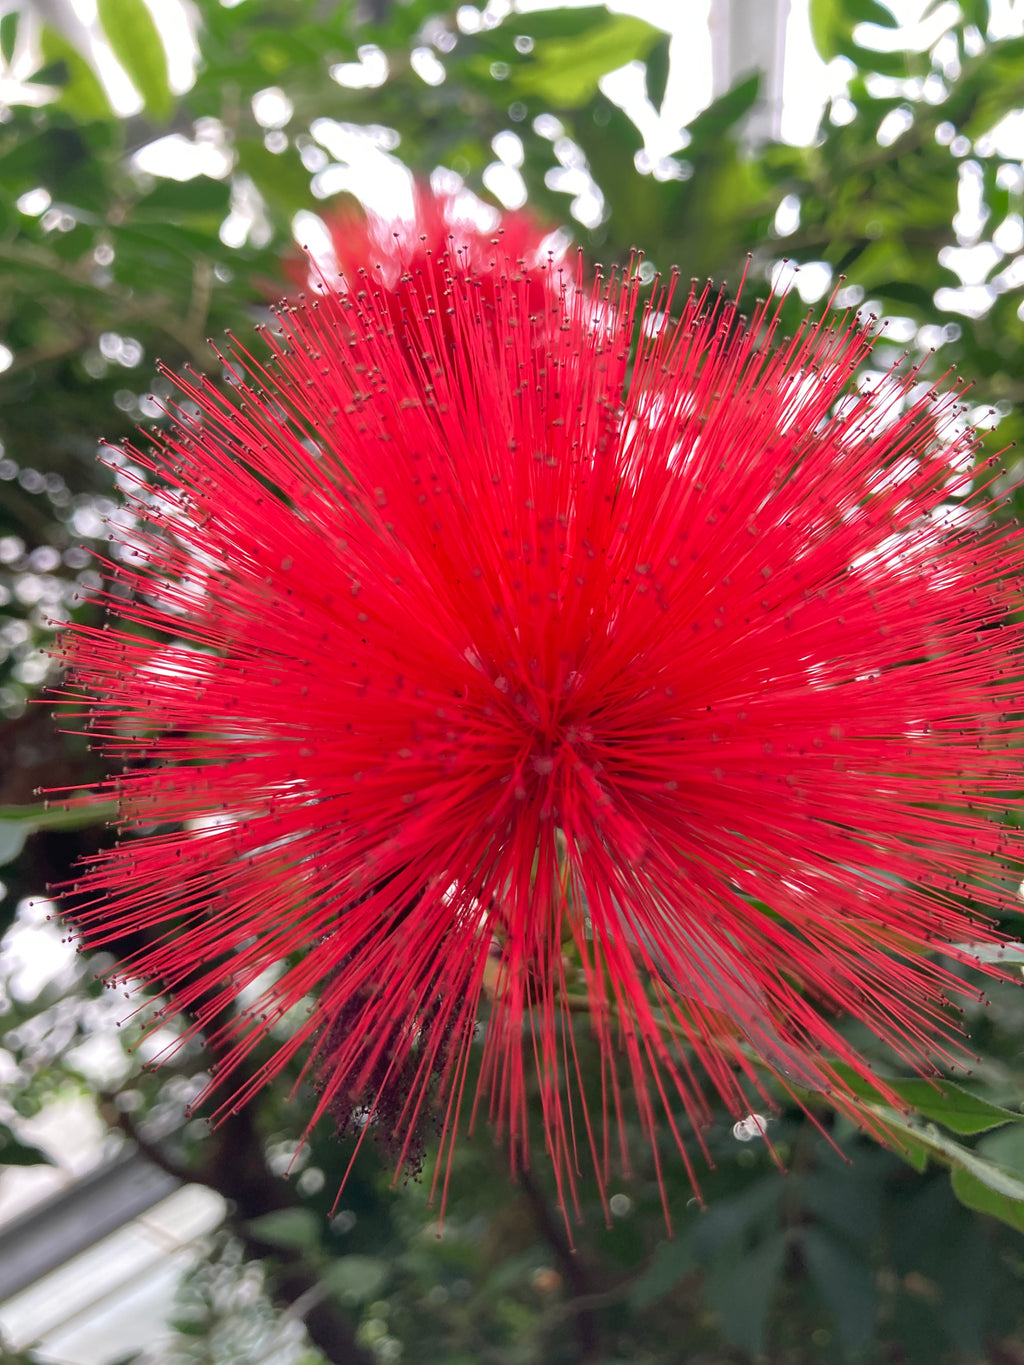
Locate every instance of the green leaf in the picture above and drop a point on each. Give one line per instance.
(846, 1283)
(81, 95)
(827, 26)
(566, 73)
(176, 200)
(137, 45)
(900, 65)
(976, 1194)
(14, 1152)
(976, 12)
(8, 35)
(995, 88)
(669, 1264)
(941, 1100)
(996, 1178)
(18, 823)
(711, 123)
(1005, 1147)
(915, 1154)
(398, 24)
(656, 72)
(871, 12)
(955, 1108)
(190, 1327)
(741, 1290)
(906, 291)
(542, 25)
(296, 1227)
(162, 245)
(833, 22)
(357, 1279)
(976, 1181)
(847, 1200)
(734, 1220)
(281, 178)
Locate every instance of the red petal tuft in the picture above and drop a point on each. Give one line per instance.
(403, 256)
(542, 672)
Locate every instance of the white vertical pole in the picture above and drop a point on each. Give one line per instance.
(747, 36)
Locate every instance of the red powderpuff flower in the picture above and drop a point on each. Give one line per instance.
(407, 257)
(583, 663)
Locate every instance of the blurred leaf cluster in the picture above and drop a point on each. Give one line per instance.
(133, 233)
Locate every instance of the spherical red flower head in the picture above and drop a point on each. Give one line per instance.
(629, 674)
(406, 260)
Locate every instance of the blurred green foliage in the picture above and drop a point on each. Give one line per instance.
(825, 1243)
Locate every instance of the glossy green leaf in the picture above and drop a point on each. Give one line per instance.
(137, 45)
